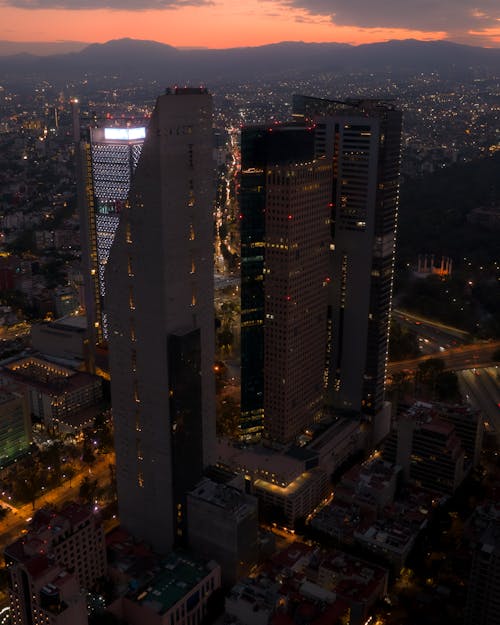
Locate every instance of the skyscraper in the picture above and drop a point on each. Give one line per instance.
(285, 196)
(363, 139)
(161, 321)
(107, 160)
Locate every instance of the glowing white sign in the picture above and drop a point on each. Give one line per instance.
(125, 134)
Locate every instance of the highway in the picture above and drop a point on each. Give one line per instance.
(456, 358)
(440, 330)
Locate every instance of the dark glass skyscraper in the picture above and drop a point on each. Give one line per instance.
(284, 263)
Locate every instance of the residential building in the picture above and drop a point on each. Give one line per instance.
(43, 592)
(307, 584)
(72, 537)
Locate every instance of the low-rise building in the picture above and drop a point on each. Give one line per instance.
(307, 584)
(223, 526)
(63, 338)
(59, 396)
(175, 591)
(73, 537)
(291, 482)
(368, 510)
(42, 592)
(428, 449)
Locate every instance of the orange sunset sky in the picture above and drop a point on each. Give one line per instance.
(230, 23)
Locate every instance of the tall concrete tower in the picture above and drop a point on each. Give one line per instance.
(161, 321)
(363, 139)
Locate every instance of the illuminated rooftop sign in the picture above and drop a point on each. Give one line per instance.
(125, 134)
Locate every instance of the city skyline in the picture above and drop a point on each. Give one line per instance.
(218, 23)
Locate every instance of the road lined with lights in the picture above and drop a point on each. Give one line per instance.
(15, 522)
(461, 357)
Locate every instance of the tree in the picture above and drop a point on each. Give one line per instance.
(446, 385)
(228, 418)
(88, 455)
(226, 338)
(402, 342)
(88, 489)
(429, 369)
(27, 488)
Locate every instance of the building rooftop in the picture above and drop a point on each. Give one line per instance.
(45, 375)
(233, 501)
(46, 527)
(76, 323)
(171, 581)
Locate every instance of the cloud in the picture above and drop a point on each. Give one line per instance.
(451, 16)
(116, 5)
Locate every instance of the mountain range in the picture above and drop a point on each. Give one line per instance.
(129, 59)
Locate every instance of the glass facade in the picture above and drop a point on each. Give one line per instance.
(113, 159)
(261, 147)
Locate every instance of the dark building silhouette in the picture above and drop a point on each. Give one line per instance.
(161, 321)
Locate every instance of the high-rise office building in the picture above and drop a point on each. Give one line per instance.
(363, 139)
(161, 321)
(107, 160)
(285, 212)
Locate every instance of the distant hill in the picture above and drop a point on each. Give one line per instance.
(40, 48)
(134, 59)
